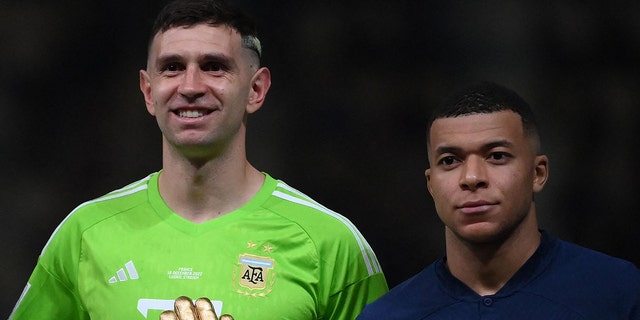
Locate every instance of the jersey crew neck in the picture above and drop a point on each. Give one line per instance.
(175, 220)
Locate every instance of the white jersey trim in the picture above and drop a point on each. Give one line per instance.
(369, 257)
(24, 292)
(127, 190)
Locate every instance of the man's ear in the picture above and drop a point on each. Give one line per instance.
(260, 84)
(145, 87)
(427, 174)
(541, 172)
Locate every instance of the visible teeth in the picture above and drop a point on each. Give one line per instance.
(190, 113)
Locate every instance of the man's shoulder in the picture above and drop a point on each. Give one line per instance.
(576, 266)
(591, 260)
(420, 295)
(577, 278)
(64, 239)
(427, 283)
(111, 203)
(323, 226)
(299, 208)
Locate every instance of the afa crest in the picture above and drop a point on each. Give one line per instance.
(255, 275)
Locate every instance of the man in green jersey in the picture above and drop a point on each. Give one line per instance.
(208, 224)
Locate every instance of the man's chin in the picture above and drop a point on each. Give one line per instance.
(481, 234)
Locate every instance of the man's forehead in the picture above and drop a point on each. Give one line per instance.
(505, 125)
(203, 34)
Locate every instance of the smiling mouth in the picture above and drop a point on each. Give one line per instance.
(191, 113)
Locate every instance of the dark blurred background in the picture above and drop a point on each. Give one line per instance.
(353, 83)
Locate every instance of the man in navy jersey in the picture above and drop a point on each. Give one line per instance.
(486, 165)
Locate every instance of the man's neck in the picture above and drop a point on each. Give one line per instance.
(487, 267)
(203, 190)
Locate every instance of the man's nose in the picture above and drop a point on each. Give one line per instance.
(474, 174)
(192, 85)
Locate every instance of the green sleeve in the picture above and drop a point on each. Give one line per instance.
(46, 297)
(349, 302)
(51, 292)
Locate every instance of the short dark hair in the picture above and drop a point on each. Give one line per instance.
(187, 13)
(485, 97)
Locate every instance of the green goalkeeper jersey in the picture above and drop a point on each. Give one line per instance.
(126, 255)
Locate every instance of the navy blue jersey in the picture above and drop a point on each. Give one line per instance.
(560, 281)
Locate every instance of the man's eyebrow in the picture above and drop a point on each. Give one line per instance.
(447, 149)
(487, 146)
(215, 57)
(499, 143)
(221, 58)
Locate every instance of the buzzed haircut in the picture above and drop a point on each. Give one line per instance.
(187, 13)
(485, 97)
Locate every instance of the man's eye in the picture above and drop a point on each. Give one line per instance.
(212, 66)
(498, 156)
(171, 67)
(447, 161)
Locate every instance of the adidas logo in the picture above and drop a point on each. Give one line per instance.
(121, 275)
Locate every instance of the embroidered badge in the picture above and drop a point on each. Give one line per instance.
(254, 275)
